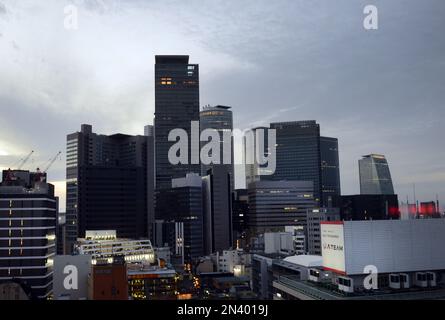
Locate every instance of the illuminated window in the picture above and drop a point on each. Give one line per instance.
(166, 81)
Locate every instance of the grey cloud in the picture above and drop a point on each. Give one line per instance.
(2, 9)
(376, 91)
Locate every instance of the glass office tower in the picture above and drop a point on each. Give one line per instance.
(375, 177)
(176, 106)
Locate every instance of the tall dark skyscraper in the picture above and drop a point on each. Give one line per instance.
(151, 183)
(240, 211)
(330, 170)
(218, 210)
(218, 118)
(28, 213)
(303, 155)
(375, 177)
(298, 153)
(106, 184)
(181, 207)
(176, 105)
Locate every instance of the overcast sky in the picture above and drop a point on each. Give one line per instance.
(380, 91)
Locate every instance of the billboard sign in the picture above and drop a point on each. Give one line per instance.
(333, 246)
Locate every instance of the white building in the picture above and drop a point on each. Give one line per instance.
(401, 253)
(104, 245)
(234, 261)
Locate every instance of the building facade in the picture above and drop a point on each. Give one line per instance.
(276, 204)
(330, 170)
(106, 185)
(220, 119)
(218, 230)
(298, 153)
(314, 218)
(240, 211)
(256, 143)
(375, 176)
(28, 220)
(176, 106)
(303, 155)
(368, 207)
(181, 210)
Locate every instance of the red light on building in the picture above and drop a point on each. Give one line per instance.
(394, 212)
(428, 208)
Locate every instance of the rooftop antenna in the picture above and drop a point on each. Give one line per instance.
(415, 199)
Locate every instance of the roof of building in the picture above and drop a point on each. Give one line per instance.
(306, 260)
(160, 59)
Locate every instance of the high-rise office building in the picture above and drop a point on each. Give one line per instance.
(240, 210)
(375, 177)
(28, 214)
(220, 119)
(259, 145)
(151, 182)
(276, 204)
(330, 170)
(181, 209)
(303, 155)
(106, 184)
(176, 106)
(218, 227)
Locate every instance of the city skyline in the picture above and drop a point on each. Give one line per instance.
(387, 100)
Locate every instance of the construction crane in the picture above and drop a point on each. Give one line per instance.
(24, 161)
(51, 161)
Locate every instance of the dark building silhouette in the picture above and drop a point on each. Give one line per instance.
(330, 170)
(368, 207)
(28, 213)
(274, 205)
(61, 233)
(106, 184)
(151, 182)
(298, 153)
(176, 105)
(303, 155)
(240, 211)
(181, 208)
(218, 210)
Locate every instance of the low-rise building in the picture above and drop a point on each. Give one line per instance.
(104, 245)
(314, 218)
(385, 259)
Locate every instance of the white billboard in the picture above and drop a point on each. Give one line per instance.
(395, 245)
(333, 246)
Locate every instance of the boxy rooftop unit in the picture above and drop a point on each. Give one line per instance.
(345, 284)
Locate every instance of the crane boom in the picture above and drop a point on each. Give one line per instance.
(52, 161)
(24, 161)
